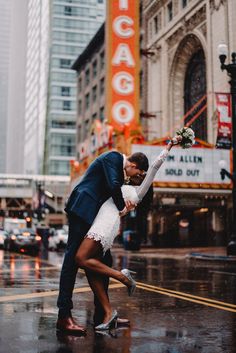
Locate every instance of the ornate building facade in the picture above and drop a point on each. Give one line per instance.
(181, 75)
(181, 67)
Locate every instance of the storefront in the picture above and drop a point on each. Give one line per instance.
(192, 205)
(185, 218)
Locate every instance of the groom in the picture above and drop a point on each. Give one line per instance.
(102, 180)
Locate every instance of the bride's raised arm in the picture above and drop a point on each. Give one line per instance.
(143, 188)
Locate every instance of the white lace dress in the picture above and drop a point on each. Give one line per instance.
(106, 225)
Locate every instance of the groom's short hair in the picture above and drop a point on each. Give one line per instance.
(140, 159)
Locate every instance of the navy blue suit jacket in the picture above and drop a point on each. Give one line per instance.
(103, 179)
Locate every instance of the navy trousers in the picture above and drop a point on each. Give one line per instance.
(78, 228)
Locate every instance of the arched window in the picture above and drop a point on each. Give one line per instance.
(194, 91)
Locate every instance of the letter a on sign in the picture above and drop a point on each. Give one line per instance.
(122, 64)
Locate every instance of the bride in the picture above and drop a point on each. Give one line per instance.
(100, 238)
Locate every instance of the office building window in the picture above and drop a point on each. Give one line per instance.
(86, 128)
(94, 93)
(65, 63)
(80, 85)
(170, 11)
(66, 105)
(95, 68)
(65, 91)
(155, 22)
(79, 132)
(184, 3)
(102, 116)
(87, 101)
(59, 167)
(87, 76)
(62, 124)
(102, 86)
(80, 107)
(67, 10)
(102, 60)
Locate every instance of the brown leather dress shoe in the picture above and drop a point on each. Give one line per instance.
(69, 326)
(122, 322)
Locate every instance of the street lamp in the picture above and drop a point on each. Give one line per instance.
(223, 171)
(231, 71)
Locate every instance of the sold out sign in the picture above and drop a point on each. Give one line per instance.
(122, 65)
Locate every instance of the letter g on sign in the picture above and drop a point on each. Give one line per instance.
(123, 83)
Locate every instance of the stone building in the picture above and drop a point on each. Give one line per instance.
(90, 67)
(181, 66)
(181, 74)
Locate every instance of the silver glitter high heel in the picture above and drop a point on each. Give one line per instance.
(110, 324)
(132, 287)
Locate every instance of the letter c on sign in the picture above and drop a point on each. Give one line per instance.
(123, 83)
(123, 112)
(121, 26)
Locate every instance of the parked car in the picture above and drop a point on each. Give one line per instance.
(3, 235)
(58, 239)
(23, 240)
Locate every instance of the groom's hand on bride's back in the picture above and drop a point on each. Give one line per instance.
(129, 206)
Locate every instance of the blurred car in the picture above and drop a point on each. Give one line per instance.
(3, 235)
(23, 240)
(58, 239)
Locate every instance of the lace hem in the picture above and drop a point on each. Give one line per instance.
(98, 237)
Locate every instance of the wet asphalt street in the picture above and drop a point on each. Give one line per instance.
(181, 305)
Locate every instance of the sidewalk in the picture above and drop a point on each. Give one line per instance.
(204, 253)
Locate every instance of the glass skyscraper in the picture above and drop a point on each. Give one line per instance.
(13, 28)
(37, 66)
(5, 21)
(73, 24)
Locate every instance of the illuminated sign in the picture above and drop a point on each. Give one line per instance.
(95, 142)
(122, 50)
(194, 167)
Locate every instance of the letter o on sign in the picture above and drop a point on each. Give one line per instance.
(123, 83)
(123, 112)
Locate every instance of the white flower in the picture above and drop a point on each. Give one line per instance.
(188, 137)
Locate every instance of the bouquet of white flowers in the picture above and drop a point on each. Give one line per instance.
(188, 137)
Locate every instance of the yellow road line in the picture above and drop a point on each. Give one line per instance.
(187, 295)
(9, 298)
(164, 291)
(187, 299)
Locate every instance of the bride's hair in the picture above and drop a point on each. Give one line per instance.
(136, 180)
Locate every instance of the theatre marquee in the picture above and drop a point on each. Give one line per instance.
(194, 168)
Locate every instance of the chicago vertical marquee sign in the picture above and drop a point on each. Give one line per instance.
(122, 64)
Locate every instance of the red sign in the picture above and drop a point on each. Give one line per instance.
(122, 60)
(223, 105)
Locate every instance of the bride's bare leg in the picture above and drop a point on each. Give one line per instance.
(96, 283)
(87, 258)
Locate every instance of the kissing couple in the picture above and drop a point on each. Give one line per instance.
(94, 209)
